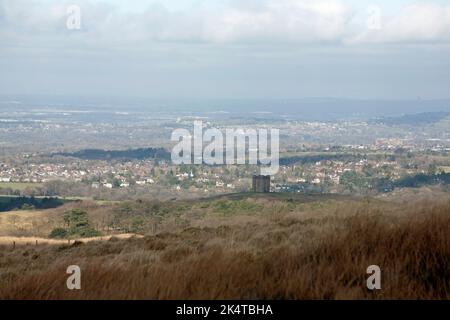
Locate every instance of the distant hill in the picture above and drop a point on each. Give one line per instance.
(413, 119)
(307, 159)
(131, 154)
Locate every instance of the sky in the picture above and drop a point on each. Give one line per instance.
(277, 49)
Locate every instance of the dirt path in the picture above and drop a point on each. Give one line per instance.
(39, 241)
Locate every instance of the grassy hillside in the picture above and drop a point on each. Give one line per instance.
(24, 223)
(251, 248)
(149, 217)
(19, 185)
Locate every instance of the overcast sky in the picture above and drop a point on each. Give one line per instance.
(227, 48)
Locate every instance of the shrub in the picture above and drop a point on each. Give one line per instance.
(58, 233)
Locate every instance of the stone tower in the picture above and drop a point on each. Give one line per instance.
(261, 184)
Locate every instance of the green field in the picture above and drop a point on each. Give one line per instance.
(19, 185)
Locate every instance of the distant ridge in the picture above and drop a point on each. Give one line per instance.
(131, 154)
(413, 119)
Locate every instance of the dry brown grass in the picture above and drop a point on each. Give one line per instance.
(24, 222)
(295, 255)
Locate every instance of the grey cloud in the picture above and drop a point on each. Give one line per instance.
(270, 48)
(248, 22)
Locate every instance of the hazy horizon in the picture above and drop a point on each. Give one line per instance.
(321, 109)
